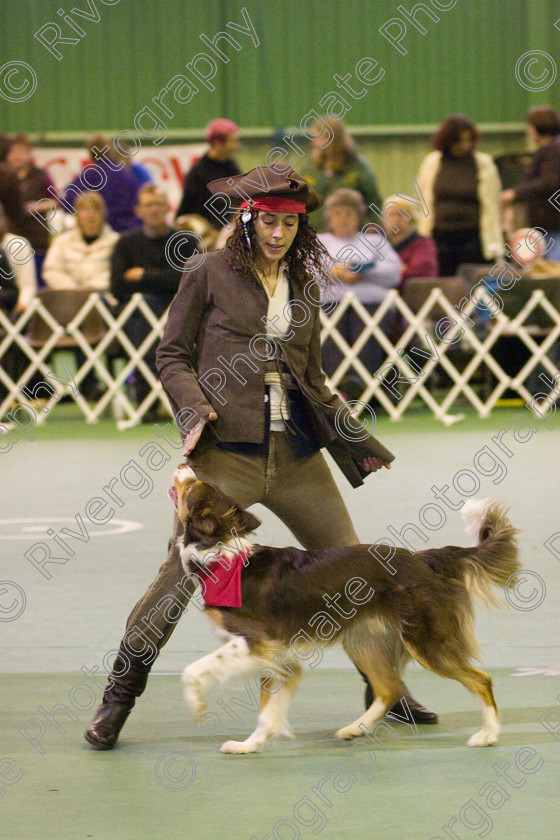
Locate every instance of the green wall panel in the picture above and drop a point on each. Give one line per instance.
(465, 62)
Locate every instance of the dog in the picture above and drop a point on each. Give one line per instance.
(278, 607)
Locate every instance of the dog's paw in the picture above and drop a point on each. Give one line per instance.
(238, 747)
(482, 739)
(347, 733)
(194, 695)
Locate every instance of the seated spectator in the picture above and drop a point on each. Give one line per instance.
(34, 184)
(19, 254)
(526, 257)
(193, 223)
(8, 298)
(542, 179)
(223, 137)
(337, 164)
(418, 254)
(369, 278)
(140, 264)
(528, 253)
(8, 287)
(18, 285)
(80, 258)
(118, 189)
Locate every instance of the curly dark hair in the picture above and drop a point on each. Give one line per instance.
(307, 258)
(449, 132)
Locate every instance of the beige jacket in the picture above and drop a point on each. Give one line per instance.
(73, 264)
(489, 188)
(20, 255)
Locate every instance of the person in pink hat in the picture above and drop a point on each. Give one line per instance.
(223, 138)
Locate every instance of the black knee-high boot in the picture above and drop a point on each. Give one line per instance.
(126, 682)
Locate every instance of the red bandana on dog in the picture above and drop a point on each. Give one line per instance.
(226, 591)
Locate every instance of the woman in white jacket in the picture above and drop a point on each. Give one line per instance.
(19, 254)
(80, 258)
(461, 188)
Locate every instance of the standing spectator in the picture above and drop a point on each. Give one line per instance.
(337, 165)
(80, 258)
(223, 137)
(118, 189)
(19, 220)
(34, 184)
(140, 264)
(461, 188)
(19, 254)
(418, 254)
(369, 279)
(543, 177)
(139, 172)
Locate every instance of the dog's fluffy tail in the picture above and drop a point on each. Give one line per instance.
(494, 557)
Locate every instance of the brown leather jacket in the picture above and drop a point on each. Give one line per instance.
(213, 354)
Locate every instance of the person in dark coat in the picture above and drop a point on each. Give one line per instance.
(223, 138)
(19, 220)
(141, 262)
(34, 183)
(542, 179)
(240, 362)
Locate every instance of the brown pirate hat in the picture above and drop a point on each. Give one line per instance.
(263, 188)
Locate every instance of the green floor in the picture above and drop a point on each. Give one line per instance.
(166, 780)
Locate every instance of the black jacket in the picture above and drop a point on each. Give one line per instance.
(195, 191)
(540, 183)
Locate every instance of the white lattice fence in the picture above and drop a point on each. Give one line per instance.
(406, 374)
(115, 395)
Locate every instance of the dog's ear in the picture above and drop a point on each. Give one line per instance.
(248, 521)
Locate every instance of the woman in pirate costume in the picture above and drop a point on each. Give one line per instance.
(240, 362)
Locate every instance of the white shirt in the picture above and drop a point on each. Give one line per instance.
(22, 263)
(278, 323)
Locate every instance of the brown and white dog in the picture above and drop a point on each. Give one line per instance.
(295, 602)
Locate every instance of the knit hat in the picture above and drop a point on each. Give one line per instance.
(220, 129)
